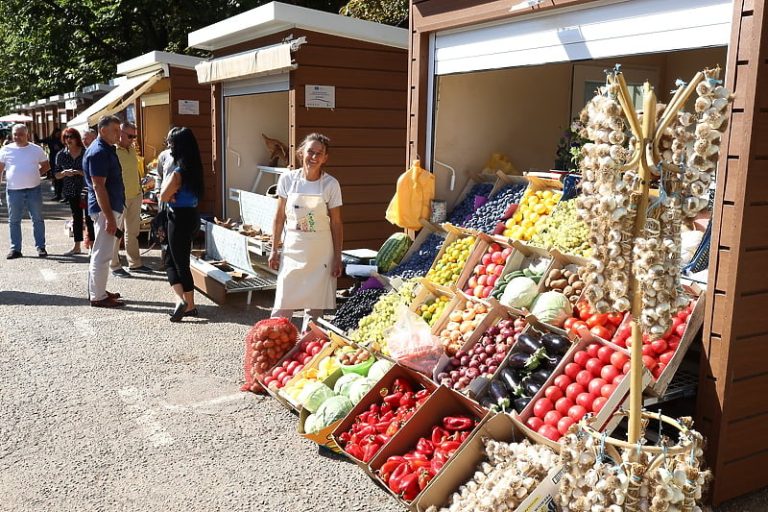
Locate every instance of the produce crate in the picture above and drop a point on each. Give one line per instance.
(321, 437)
(312, 333)
(536, 184)
(427, 229)
(454, 234)
(375, 396)
(504, 180)
(474, 179)
(604, 420)
(482, 249)
(464, 463)
(559, 262)
(523, 255)
(441, 404)
(426, 292)
(458, 303)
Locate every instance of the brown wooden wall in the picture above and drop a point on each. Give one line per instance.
(184, 86)
(733, 402)
(367, 128)
(732, 408)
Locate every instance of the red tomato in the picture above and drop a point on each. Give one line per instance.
(609, 372)
(601, 332)
(306, 359)
(649, 362)
(554, 393)
(666, 357)
(597, 319)
(549, 432)
(572, 369)
(581, 357)
(282, 373)
(268, 380)
(564, 424)
(534, 423)
(592, 349)
(584, 377)
(542, 407)
(598, 404)
(683, 315)
(585, 400)
(552, 417)
(621, 342)
(656, 372)
(607, 390)
(578, 326)
(659, 346)
(576, 412)
(594, 366)
(604, 354)
(673, 342)
(624, 332)
(573, 390)
(562, 381)
(618, 359)
(680, 330)
(627, 367)
(595, 385)
(297, 369)
(569, 322)
(618, 379)
(615, 319)
(285, 380)
(563, 405)
(648, 351)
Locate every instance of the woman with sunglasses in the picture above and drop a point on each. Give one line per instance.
(68, 169)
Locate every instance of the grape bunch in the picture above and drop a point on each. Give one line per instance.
(494, 211)
(420, 261)
(372, 327)
(462, 212)
(564, 230)
(356, 307)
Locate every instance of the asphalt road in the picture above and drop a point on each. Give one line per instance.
(121, 410)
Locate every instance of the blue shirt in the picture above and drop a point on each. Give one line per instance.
(101, 160)
(184, 197)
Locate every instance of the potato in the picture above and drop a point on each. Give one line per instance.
(573, 278)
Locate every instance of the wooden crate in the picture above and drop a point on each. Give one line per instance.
(426, 292)
(469, 270)
(454, 234)
(474, 179)
(427, 229)
(459, 303)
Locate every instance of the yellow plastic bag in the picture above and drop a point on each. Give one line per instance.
(415, 190)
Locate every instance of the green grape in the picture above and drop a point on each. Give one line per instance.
(564, 230)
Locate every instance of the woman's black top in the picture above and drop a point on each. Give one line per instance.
(72, 185)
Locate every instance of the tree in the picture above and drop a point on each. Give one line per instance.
(389, 12)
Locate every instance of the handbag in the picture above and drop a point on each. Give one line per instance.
(158, 229)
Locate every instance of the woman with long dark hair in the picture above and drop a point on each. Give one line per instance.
(68, 170)
(181, 192)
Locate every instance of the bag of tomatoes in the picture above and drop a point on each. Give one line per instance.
(265, 344)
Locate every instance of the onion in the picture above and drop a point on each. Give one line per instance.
(455, 361)
(462, 371)
(507, 332)
(472, 373)
(490, 349)
(464, 361)
(492, 369)
(442, 376)
(493, 330)
(483, 368)
(498, 357)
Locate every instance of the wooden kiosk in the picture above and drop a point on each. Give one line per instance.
(485, 63)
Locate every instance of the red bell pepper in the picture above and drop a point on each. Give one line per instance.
(367, 430)
(408, 400)
(394, 426)
(369, 451)
(415, 456)
(454, 423)
(425, 446)
(401, 386)
(438, 434)
(396, 476)
(386, 469)
(385, 409)
(381, 439)
(393, 400)
(409, 486)
(424, 478)
(354, 450)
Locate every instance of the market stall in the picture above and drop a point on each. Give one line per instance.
(280, 72)
(514, 79)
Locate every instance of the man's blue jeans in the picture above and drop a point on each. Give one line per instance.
(32, 200)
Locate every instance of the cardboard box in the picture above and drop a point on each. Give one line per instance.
(443, 402)
(464, 463)
(376, 396)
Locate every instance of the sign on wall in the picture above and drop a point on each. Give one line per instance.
(189, 107)
(320, 96)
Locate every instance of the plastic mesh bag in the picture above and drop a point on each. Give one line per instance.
(410, 342)
(265, 344)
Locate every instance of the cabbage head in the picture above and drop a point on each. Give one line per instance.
(520, 293)
(379, 368)
(552, 308)
(345, 381)
(359, 389)
(333, 409)
(314, 394)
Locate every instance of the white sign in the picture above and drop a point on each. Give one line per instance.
(70, 104)
(320, 96)
(189, 107)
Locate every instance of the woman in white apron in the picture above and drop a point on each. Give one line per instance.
(309, 215)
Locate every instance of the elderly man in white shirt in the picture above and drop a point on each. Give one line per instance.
(23, 164)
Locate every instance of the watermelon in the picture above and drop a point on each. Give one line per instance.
(392, 251)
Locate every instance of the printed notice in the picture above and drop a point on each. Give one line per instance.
(320, 96)
(189, 107)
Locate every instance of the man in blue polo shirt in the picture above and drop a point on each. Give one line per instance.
(106, 202)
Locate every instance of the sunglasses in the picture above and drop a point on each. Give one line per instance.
(70, 137)
(130, 136)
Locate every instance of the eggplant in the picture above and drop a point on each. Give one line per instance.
(520, 403)
(555, 343)
(510, 379)
(488, 403)
(527, 343)
(530, 387)
(498, 392)
(541, 375)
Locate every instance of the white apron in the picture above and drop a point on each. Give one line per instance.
(305, 280)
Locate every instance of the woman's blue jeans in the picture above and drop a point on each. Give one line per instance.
(30, 199)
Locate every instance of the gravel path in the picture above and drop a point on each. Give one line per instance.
(112, 410)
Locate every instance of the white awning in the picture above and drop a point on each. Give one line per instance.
(115, 100)
(264, 61)
(587, 32)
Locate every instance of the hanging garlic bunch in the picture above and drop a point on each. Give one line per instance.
(711, 108)
(501, 483)
(605, 204)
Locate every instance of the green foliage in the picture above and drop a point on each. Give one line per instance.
(390, 12)
(50, 47)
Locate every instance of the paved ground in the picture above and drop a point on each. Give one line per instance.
(112, 410)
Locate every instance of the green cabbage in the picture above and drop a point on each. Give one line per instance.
(333, 409)
(378, 369)
(310, 424)
(342, 385)
(520, 293)
(359, 389)
(314, 394)
(552, 308)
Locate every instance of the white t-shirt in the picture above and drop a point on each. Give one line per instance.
(327, 186)
(22, 165)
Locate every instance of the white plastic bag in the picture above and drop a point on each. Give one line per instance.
(410, 342)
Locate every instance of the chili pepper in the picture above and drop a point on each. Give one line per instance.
(373, 419)
(369, 451)
(386, 469)
(385, 409)
(458, 423)
(415, 456)
(438, 434)
(382, 426)
(409, 486)
(396, 458)
(463, 435)
(407, 400)
(422, 394)
(354, 438)
(363, 417)
(401, 386)
(448, 445)
(425, 446)
(393, 400)
(397, 475)
(381, 439)
(354, 450)
(389, 416)
(367, 430)
(424, 478)
(394, 426)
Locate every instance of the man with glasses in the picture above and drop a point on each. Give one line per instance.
(25, 163)
(129, 162)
